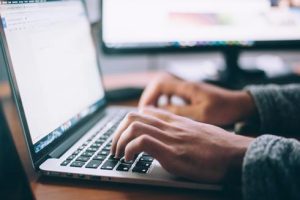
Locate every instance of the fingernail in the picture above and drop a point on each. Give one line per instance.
(127, 159)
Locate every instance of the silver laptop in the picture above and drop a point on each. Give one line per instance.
(54, 73)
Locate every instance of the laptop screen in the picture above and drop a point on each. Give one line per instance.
(54, 61)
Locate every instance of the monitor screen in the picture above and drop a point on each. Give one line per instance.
(133, 24)
(55, 65)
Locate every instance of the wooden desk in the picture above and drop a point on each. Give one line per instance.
(56, 188)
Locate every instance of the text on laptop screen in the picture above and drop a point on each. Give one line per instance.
(55, 65)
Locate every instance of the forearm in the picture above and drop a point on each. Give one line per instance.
(278, 107)
(271, 169)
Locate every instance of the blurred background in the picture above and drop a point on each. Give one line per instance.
(188, 61)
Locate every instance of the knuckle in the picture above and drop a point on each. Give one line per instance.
(156, 85)
(175, 110)
(143, 110)
(179, 153)
(192, 87)
(143, 140)
(131, 116)
(205, 112)
(135, 126)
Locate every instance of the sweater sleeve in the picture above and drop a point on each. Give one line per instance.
(278, 107)
(271, 169)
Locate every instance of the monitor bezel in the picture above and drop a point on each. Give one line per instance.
(259, 46)
(38, 158)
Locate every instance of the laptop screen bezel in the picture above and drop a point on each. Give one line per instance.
(38, 157)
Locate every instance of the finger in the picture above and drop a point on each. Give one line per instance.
(163, 86)
(148, 144)
(176, 119)
(156, 112)
(130, 118)
(187, 111)
(137, 129)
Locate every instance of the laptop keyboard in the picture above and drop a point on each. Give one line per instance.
(94, 155)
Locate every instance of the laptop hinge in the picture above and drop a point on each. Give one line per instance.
(66, 145)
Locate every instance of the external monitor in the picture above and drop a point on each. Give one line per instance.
(229, 26)
(137, 25)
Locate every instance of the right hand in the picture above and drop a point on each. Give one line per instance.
(184, 147)
(204, 102)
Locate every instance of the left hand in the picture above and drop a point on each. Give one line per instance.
(183, 147)
(204, 102)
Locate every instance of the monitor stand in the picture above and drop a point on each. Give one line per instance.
(235, 77)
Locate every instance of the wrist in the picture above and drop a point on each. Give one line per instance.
(245, 104)
(235, 161)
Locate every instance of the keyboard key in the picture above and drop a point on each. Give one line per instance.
(71, 157)
(77, 164)
(81, 147)
(85, 144)
(141, 170)
(94, 164)
(106, 134)
(103, 153)
(87, 154)
(143, 164)
(100, 140)
(109, 132)
(95, 145)
(123, 167)
(99, 157)
(112, 157)
(105, 137)
(128, 162)
(106, 148)
(76, 152)
(146, 159)
(109, 165)
(65, 163)
(91, 149)
(82, 159)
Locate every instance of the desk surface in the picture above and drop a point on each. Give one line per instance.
(56, 188)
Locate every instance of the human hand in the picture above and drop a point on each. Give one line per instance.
(204, 102)
(182, 146)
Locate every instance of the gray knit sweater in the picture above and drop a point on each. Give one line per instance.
(271, 167)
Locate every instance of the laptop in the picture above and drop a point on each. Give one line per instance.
(54, 72)
(14, 184)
